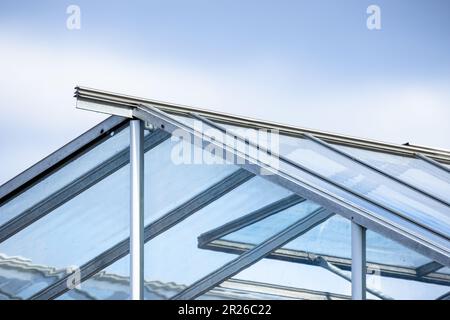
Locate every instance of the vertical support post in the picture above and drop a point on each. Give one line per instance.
(137, 210)
(358, 262)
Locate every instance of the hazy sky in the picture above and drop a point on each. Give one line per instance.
(308, 63)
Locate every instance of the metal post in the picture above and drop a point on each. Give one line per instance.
(137, 210)
(358, 262)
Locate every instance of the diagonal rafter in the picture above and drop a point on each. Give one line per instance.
(249, 219)
(152, 230)
(252, 256)
(77, 186)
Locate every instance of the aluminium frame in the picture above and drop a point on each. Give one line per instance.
(159, 119)
(74, 148)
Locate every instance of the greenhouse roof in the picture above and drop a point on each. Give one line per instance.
(231, 204)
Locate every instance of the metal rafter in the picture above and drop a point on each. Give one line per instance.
(152, 230)
(432, 162)
(124, 102)
(249, 219)
(58, 158)
(77, 186)
(312, 172)
(373, 168)
(252, 256)
(429, 245)
(308, 258)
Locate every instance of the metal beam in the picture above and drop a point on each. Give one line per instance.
(152, 230)
(137, 210)
(250, 257)
(126, 101)
(77, 186)
(320, 261)
(314, 173)
(375, 169)
(358, 262)
(445, 296)
(432, 162)
(250, 218)
(58, 158)
(428, 268)
(303, 257)
(417, 237)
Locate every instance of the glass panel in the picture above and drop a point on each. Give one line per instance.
(332, 238)
(377, 187)
(403, 284)
(385, 251)
(112, 283)
(98, 218)
(418, 173)
(173, 259)
(263, 229)
(420, 211)
(300, 276)
(63, 176)
(174, 256)
(445, 270)
(274, 279)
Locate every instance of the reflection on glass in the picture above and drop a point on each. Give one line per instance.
(98, 218)
(63, 176)
(407, 286)
(417, 172)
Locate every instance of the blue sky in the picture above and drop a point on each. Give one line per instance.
(308, 63)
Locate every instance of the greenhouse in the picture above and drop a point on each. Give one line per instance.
(165, 201)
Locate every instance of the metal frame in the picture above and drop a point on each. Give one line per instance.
(123, 103)
(213, 240)
(322, 262)
(358, 262)
(129, 107)
(382, 172)
(432, 161)
(252, 256)
(151, 231)
(428, 268)
(249, 219)
(310, 258)
(58, 158)
(260, 214)
(137, 209)
(77, 186)
(424, 242)
(311, 172)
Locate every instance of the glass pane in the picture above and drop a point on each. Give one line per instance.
(175, 257)
(332, 238)
(274, 279)
(377, 187)
(421, 212)
(385, 251)
(418, 173)
(445, 270)
(263, 229)
(98, 218)
(112, 283)
(71, 171)
(401, 282)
